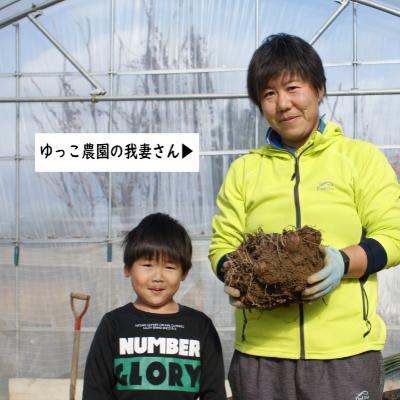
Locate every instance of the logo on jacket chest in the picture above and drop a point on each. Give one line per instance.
(326, 186)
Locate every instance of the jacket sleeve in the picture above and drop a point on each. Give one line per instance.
(212, 386)
(229, 223)
(378, 200)
(99, 378)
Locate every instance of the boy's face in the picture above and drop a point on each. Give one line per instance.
(155, 283)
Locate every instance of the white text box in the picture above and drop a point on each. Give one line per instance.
(116, 152)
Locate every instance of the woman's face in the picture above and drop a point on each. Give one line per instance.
(291, 106)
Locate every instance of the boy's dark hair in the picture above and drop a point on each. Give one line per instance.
(158, 236)
(283, 53)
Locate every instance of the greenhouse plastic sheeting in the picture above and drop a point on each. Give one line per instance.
(54, 228)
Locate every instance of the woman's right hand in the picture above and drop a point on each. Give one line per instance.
(234, 296)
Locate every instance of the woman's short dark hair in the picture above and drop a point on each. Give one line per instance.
(160, 237)
(283, 53)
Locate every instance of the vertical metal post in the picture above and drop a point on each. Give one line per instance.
(17, 190)
(17, 135)
(256, 142)
(110, 119)
(355, 67)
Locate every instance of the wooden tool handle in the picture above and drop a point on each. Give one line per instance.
(77, 334)
(80, 296)
(78, 315)
(74, 365)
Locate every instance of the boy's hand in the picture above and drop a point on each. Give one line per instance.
(234, 296)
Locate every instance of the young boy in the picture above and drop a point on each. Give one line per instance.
(155, 348)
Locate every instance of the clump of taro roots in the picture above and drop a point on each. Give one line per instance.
(271, 270)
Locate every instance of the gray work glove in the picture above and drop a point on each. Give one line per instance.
(326, 280)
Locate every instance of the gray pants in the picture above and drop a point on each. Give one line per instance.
(358, 377)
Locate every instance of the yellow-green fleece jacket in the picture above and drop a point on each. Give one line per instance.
(345, 188)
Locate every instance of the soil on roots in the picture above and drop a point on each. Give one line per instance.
(271, 270)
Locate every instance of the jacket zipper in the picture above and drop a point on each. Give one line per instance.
(296, 175)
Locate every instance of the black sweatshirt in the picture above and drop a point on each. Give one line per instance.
(145, 356)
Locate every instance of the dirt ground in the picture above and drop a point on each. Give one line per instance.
(270, 270)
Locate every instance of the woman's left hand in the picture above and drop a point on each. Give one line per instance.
(324, 281)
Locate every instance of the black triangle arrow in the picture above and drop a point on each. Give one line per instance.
(185, 151)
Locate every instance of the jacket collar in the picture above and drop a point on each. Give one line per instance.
(273, 138)
(327, 133)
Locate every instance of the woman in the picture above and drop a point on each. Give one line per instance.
(308, 173)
